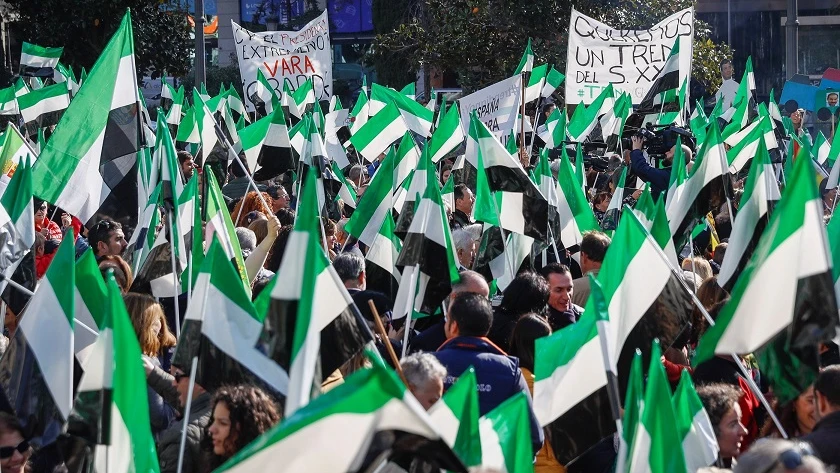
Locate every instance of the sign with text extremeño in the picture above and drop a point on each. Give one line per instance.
(496, 105)
(599, 55)
(286, 56)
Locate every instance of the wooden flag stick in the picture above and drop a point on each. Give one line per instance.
(380, 329)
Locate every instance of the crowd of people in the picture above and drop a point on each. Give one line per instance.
(492, 333)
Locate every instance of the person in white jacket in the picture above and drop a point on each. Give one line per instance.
(729, 88)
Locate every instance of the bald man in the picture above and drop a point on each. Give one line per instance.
(433, 337)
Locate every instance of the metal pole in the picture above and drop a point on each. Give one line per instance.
(174, 274)
(200, 67)
(729, 22)
(753, 387)
(522, 148)
(182, 447)
(792, 39)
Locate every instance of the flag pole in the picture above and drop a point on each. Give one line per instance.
(251, 180)
(522, 120)
(15, 285)
(380, 329)
(753, 387)
(534, 125)
(613, 393)
(553, 243)
(413, 295)
(189, 272)
(183, 445)
(242, 205)
(174, 275)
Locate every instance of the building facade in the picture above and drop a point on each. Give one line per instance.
(757, 28)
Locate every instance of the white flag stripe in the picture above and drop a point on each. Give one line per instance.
(769, 291)
(53, 347)
(570, 383)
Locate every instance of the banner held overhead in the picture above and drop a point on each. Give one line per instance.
(599, 55)
(290, 56)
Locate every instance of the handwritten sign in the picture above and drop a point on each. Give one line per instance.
(286, 56)
(496, 105)
(599, 55)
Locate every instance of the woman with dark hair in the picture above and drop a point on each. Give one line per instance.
(149, 324)
(798, 416)
(721, 403)
(527, 293)
(528, 329)
(275, 255)
(240, 414)
(14, 449)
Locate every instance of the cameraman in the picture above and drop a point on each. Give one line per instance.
(658, 178)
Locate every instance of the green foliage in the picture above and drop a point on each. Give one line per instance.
(83, 28)
(483, 40)
(394, 68)
(642, 14)
(216, 76)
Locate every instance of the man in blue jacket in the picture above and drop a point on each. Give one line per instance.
(658, 178)
(498, 375)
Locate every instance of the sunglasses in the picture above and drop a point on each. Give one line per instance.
(180, 376)
(792, 458)
(43, 207)
(6, 452)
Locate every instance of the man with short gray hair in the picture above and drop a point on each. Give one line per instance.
(425, 375)
(465, 247)
(351, 269)
(247, 240)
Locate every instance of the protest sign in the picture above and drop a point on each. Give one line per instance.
(496, 106)
(599, 55)
(290, 56)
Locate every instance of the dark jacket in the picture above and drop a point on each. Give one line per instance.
(658, 178)
(161, 413)
(717, 370)
(429, 340)
(169, 442)
(826, 438)
(559, 320)
(498, 375)
(460, 219)
(501, 332)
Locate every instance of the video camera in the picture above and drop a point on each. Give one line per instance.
(591, 157)
(659, 139)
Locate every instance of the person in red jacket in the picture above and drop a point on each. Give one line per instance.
(45, 226)
(43, 258)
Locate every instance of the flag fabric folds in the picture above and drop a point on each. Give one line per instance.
(785, 287)
(311, 325)
(111, 413)
(36, 372)
(348, 417)
(38, 61)
(93, 148)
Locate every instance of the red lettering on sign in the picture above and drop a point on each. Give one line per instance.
(274, 72)
(307, 65)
